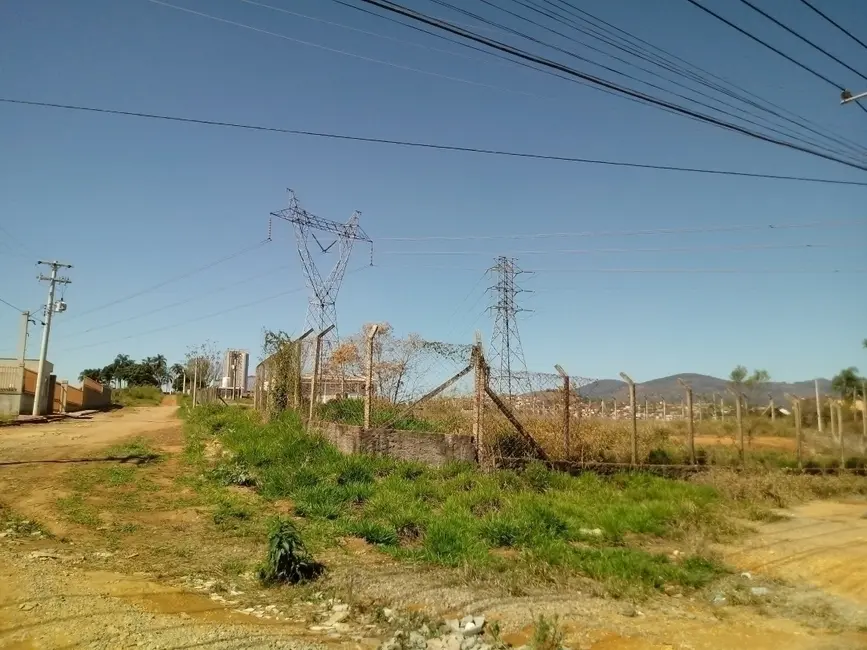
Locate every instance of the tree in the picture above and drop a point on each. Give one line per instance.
(90, 373)
(203, 363)
(756, 381)
(846, 382)
(395, 360)
(176, 375)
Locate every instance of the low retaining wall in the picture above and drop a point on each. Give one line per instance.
(428, 448)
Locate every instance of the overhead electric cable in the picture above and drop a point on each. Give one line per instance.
(767, 45)
(802, 38)
(670, 61)
(836, 24)
(401, 10)
(428, 145)
(174, 278)
(646, 231)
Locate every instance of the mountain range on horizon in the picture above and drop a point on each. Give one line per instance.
(703, 387)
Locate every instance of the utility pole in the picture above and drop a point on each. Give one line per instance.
(818, 406)
(50, 307)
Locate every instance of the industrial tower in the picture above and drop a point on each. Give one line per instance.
(321, 309)
(507, 355)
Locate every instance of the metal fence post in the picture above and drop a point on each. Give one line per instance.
(634, 452)
(567, 413)
(368, 388)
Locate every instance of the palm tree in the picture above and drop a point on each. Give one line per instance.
(177, 372)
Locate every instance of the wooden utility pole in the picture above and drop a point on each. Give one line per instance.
(368, 388)
(632, 413)
(818, 406)
(690, 422)
(567, 413)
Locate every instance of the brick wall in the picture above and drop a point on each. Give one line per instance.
(428, 448)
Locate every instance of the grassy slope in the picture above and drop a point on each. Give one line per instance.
(535, 522)
(138, 396)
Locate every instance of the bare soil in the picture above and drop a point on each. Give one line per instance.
(138, 560)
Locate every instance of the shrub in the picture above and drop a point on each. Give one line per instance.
(287, 559)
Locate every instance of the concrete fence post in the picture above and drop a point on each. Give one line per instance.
(864, 417)
(632, 415)
(842, 436)
(796, 414)
(64, 393)
(368, 369)
(567, 412)
(740, 417)
(317, 369)
(690, 421)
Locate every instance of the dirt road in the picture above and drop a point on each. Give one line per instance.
(139, 559)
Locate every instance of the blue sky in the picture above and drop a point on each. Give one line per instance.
(133, 202)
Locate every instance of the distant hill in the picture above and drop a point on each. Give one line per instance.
(703, 386)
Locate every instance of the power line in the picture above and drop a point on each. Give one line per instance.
(401, 10)
(803, 38)
(191, 320)
(669, 61)
(174, 278)
(178, 303)
(674, 271)
(836, 24)
(768, 46)
(428, 145)
(645, 231)
(676, 249)
(11, 305)
(787, 132)
(205, 317)
(338, 51)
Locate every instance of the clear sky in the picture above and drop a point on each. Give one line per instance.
(132, 202)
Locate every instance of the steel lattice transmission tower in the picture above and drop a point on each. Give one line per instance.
(507, 354)
(322, 304)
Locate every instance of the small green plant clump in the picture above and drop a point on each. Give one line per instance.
(288, 560)
(547, 634)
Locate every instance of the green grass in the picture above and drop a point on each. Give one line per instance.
(137, 448)
(78, 511)
(457, 516)
(351, 411)
(137, 396)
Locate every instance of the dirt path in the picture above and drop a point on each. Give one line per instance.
(140, 559)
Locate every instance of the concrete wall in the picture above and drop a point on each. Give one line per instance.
(429, 448)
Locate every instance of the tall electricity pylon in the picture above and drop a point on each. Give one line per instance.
(322, 309)
(507, 355)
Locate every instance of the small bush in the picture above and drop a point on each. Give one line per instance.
(547, 634)
(287, 559)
